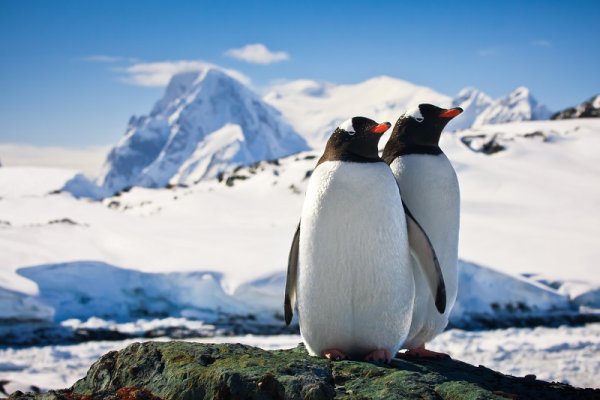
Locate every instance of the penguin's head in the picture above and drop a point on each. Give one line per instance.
(424, 124)
(356, 139)
(419, 130)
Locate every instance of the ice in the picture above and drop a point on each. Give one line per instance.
(140, 326)
(96, 292)
(582, 293)
(17, 306)
(91, 289)
(485, 293)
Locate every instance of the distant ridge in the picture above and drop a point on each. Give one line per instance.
(588, 109)
(314, 108)
(518, 105)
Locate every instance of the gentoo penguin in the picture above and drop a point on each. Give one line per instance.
(430, 190)
(349, 269)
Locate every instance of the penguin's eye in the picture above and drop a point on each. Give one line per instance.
(347, 127)
(415, 113)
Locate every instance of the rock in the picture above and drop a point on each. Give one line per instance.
(184, 370)
(483, 144)
(588, 109)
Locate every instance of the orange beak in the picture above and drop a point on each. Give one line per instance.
(381, 128)
(451, 113)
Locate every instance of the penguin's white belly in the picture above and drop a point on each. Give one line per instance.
(355, 281)
(429, 188)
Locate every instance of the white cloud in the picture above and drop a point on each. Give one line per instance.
(160, 73)
(257, 53)
(101, 58)
(541, 43)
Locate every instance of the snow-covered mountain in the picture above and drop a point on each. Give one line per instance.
(473, 102)
(209, 122)
(588, 109)
(519, 105)
(315, 108)
(206, 122)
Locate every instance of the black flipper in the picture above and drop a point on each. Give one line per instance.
(290, 284)
(422, 249)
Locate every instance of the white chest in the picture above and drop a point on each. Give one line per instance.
(430, 190)
(354, 265)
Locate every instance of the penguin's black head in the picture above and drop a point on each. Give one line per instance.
(418, 131)
(355, 140)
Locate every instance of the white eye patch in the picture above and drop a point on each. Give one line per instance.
(416, 114)
(347, 126)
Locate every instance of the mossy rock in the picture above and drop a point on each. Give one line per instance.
(185, 370)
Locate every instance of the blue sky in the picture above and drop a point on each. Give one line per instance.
(63, 64)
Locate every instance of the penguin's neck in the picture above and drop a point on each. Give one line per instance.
(400, 144)
(333, 153)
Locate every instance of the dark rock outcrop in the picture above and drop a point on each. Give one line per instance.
(588, 109)
(483, 144)
(183, 370)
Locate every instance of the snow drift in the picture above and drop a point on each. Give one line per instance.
(88, 289)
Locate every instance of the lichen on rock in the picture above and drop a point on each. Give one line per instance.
(189, 371)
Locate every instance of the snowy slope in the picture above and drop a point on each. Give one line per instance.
(23, 181)
(532, 208)
(519, 105)
(315, 108)
(206, 122)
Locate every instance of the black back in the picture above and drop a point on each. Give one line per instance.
(411, 136)
(360, 146)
